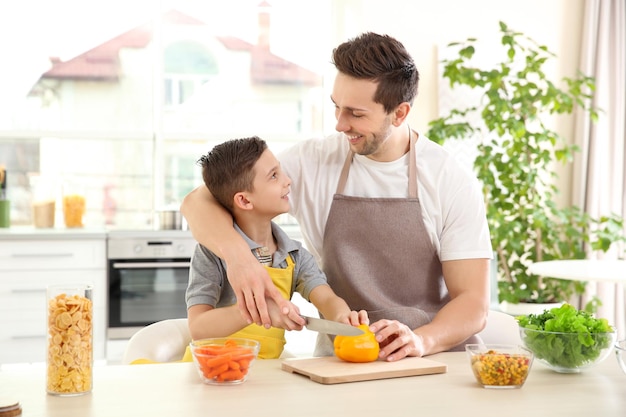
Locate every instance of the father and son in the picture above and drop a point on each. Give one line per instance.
(395, 228)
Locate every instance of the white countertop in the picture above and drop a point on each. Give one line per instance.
(176, 390)
(30, 232)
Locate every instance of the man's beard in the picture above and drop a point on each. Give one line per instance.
(372, 144)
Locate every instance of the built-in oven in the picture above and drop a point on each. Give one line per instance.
(148, 272)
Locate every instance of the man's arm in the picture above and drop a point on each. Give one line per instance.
(463, 316)
(466, 312)
(212, 226)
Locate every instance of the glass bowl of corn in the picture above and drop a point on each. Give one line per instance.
(499, 366)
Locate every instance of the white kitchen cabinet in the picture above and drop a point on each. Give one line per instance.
(27, 266)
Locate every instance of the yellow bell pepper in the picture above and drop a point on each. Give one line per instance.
(361, 348)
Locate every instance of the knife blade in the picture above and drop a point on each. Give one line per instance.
(331, 327)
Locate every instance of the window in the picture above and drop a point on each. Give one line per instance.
(124, 97)
(187, 67)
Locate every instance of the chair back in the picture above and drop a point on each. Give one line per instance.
(501, 328)
(163, 341)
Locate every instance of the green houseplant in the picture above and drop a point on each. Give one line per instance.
(515, 156)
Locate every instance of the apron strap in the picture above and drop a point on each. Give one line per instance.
(343, 178)
(412, 166)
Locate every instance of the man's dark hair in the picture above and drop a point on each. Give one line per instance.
(229, 168)
(382, 59)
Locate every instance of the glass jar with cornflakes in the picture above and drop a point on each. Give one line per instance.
(69, 357)
(74, 204)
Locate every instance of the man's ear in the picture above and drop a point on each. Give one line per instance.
(241, 201)
(400, 113)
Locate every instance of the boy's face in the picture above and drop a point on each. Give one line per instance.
(271, 186)
(365, 123)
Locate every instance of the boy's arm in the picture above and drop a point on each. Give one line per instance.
(333, 307)
(212, 226)
(207, 321)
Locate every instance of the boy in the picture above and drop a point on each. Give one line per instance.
(246, 178)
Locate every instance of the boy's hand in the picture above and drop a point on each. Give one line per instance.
(353, 318)
(284, 321)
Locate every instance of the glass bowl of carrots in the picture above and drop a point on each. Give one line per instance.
(224, 361)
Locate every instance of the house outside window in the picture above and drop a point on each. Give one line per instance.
(128, 118)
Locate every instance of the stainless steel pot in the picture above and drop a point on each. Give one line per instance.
(170, 220)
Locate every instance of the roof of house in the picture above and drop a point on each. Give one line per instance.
(102, 62)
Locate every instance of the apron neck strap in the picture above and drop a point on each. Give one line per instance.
(412, 166)
(343, 178)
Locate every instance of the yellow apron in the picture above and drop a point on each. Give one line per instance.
(272, 340)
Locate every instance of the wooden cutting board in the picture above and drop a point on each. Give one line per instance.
(332, 370)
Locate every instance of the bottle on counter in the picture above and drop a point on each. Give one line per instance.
(44, 193)
(74, 204)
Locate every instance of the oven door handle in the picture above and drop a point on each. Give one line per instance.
(155, 265)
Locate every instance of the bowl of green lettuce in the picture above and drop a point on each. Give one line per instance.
(566, 339)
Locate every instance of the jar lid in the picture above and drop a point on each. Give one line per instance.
(10, 408)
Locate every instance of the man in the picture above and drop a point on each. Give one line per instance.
(398, 226)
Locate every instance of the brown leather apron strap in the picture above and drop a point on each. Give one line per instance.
(343, 178)
(412, 166)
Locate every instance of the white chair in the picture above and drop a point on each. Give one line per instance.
(501, 328)
(163, 341)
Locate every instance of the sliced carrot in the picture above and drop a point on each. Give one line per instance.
(210, 350)
(216, 371)
(222, 350)
(245, 361)
(243, 357)
(217, 361)
(230, 375)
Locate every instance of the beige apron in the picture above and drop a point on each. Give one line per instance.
(378, 256)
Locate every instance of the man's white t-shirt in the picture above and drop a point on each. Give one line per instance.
(452, 202)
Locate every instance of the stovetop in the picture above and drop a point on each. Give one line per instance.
(150, 244)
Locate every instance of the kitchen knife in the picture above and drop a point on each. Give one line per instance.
(331, 327)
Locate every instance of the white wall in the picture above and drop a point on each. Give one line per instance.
(426, 26)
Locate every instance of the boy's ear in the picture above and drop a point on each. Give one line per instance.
(241, 201)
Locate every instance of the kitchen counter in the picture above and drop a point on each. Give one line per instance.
(62, 233)
(176, 390)
(32, 233)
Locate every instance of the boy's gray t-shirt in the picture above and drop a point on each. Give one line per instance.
(208, 283)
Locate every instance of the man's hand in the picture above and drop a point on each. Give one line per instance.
(253, 288)
(396, 340)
